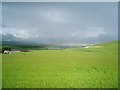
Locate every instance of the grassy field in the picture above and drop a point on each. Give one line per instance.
(94, 67)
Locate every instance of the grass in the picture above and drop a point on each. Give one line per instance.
(70, 68)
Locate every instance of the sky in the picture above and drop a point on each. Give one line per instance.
(60, 22)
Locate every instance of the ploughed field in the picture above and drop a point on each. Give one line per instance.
(93, 67)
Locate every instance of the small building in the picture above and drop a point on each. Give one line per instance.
(11, 52)
(15, 51)
(7, 52)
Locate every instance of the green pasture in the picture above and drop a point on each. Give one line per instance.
(94, 67)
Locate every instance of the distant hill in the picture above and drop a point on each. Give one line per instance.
(109, 45)
(14, 43)
(24, 45)
(105, 47)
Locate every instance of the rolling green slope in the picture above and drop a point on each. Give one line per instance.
(110, 46)
(107, 48)
(93, 67)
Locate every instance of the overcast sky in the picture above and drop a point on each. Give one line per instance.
(60, 22)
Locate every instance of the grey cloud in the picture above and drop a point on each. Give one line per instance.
(61, 22)
(9, 37)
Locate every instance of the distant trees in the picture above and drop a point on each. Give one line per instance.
(6, 48)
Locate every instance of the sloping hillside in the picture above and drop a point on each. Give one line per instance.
(108, 47)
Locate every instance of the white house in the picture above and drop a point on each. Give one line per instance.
(17, 51)
(7, 52)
